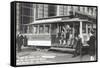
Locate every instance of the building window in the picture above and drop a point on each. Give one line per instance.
(52, 10)
(26, 13)
(41, 10)
(45, 10)
(63, 10)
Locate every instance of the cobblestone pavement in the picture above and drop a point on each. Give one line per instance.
(43, 56)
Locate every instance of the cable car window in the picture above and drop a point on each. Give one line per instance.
(71, 31)
(84, 28)
(71, 28)
(35, 29)
(30, 28)
(41, 29)
(88, 30)
(46, 28)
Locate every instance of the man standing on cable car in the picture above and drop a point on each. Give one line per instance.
(67, 33)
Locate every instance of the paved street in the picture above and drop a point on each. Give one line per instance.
(43, 56)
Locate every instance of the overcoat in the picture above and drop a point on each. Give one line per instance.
(91, 43)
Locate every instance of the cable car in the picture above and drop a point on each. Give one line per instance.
(47, 32)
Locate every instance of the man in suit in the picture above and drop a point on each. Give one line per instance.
(20, 42)
(77, 45)
(91, 43)
(25, 41)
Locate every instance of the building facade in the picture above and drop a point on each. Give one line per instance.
(30, 13)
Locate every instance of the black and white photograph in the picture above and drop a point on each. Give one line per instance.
(49, 33)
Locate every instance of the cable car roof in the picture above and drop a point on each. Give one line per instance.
(58, 20)
(75, 20)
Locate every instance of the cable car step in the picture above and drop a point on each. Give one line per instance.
(62, 49)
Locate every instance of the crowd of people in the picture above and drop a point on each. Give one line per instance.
(67, 35)
(65, 38)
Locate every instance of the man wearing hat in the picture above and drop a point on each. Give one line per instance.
(91, 43)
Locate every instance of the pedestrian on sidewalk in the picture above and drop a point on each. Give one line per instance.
(91, 43)
(20, 42)
(25, 41)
